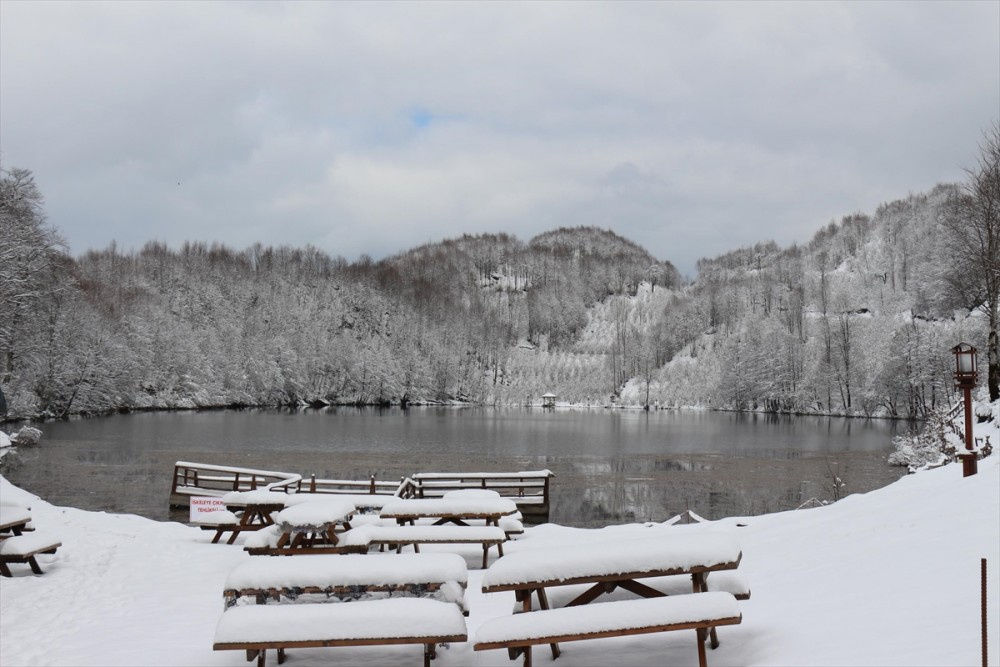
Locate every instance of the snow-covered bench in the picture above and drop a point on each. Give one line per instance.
(256, 628)
(24, 548)
(350, 577)
(399, 536)
(14, 519)
(518, 633)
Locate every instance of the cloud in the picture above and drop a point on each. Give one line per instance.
(691, 128)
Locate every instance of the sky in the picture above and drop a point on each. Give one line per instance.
(369, 128)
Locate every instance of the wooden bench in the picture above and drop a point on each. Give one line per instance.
(24, 548)
(399, 536)
(519, 632)
(257, 628)
(438, 576)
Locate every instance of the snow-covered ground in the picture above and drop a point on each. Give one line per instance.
(891, 577)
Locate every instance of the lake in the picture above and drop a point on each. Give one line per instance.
(611, 466)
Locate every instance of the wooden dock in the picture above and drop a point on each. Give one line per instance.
(529, 489)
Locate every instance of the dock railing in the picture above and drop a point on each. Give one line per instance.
(529, 489)
(205, 479)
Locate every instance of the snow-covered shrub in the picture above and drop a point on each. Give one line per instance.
(917, 450)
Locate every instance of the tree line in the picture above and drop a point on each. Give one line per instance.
(858, 321)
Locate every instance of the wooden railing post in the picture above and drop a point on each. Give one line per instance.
(371, 485)
(236, 482)
(312, 483)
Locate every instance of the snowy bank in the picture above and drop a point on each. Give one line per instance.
(886, 578)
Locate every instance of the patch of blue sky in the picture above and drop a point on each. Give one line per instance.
(421, 118)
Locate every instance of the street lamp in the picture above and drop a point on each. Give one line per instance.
(965, 379)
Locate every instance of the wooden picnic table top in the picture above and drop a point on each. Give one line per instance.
(609, 562)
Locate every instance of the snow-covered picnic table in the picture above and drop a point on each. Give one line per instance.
(457, 509)
(439, 576)
(306, 528)
(603, 567)
(409, 599)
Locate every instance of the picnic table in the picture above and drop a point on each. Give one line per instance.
(457, 509)
(605, 566)
(256, 507)
(307, 528)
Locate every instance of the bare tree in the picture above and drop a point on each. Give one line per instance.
(972, 241)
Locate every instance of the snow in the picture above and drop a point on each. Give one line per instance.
(472, 493)
(360, 500)
(366, 534)
(27, 543)
(608, 616)
(217, 518)
(255, 497)
(661, 551)
(395, 617)
(890, 577)
(317, 513)
(348, 570)
(10, 514)
(451, 506)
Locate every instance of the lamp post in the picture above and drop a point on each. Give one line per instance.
(965, 379)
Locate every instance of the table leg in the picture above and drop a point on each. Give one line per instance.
(700, 585)
(543, 603)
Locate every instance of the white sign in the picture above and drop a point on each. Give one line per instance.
(204, 504)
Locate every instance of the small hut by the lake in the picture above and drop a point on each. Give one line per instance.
(549, 400)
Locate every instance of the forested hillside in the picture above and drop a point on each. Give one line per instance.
(858, 321)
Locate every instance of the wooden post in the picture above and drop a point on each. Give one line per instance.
(312, 483)
(982, 578)
(969, 458)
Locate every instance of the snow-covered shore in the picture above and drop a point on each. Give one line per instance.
(891, 577)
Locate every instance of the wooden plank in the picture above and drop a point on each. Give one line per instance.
(531, 585)
(330, 643)
(617, 632)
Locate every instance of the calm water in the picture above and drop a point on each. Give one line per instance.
(610, 466)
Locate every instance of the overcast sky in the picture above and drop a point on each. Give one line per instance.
(690, 128)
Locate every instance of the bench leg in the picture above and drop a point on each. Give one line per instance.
(514, 651)
(281, 656)
(699, 584)
(702, 658)
(4, 570)
(232, 538)
(34, 565)
(429, 654)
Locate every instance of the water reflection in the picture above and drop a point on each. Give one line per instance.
(618, 466)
